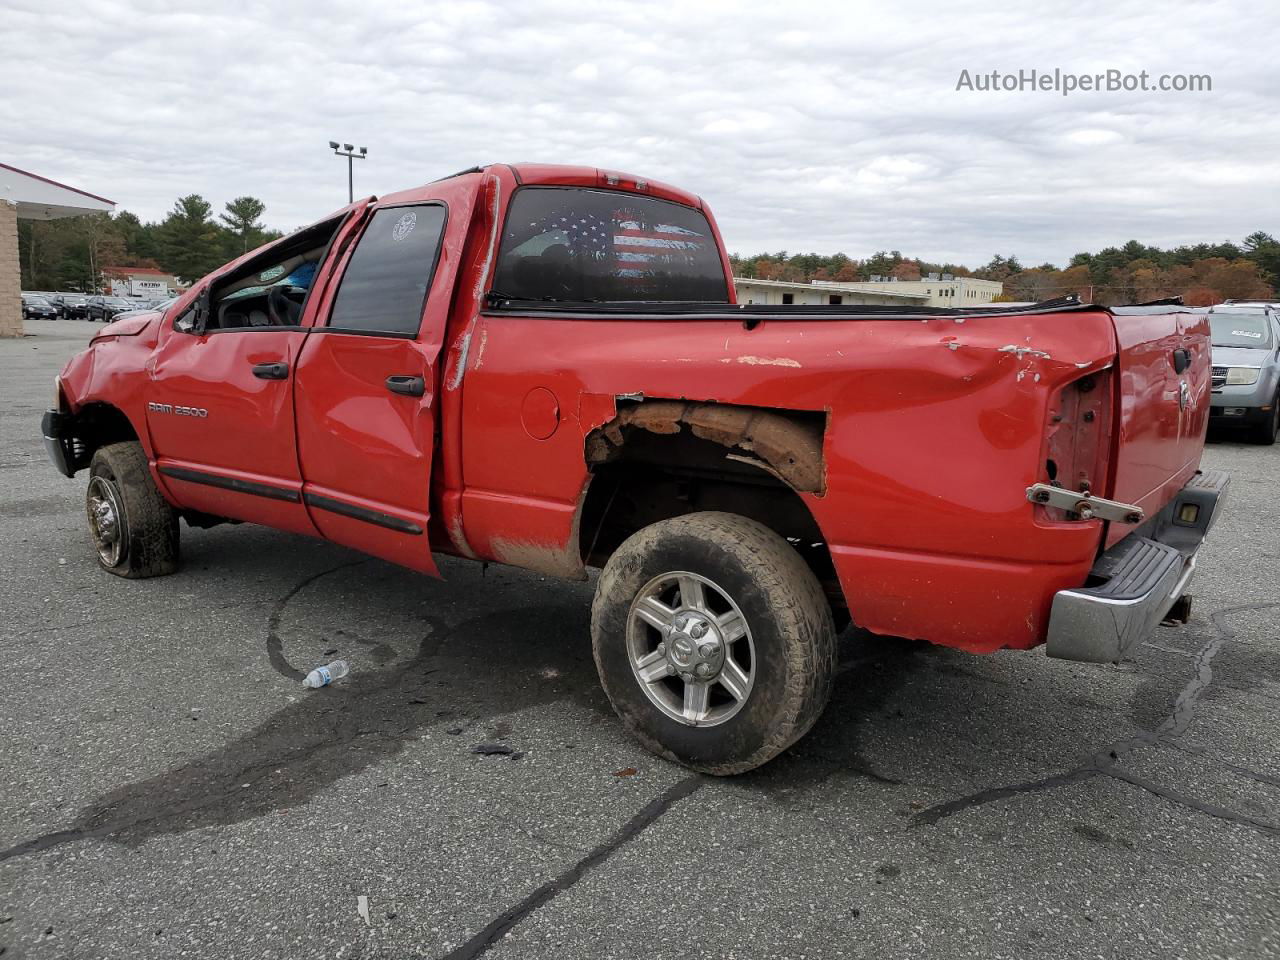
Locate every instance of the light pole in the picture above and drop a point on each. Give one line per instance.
(349, 152)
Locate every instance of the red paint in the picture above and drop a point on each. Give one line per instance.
(540, 413)
(1161, 441)
(249, 431)
(936, 425)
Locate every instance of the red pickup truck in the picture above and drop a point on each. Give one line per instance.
(545, 366)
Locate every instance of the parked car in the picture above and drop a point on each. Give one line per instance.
(555, 375)
(38, 308)
(145, 306)
(1246, 368)
(105, 308)
(71, 306)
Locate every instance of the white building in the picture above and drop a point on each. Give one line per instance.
(140, 282)
(778, 292)
(939, 289)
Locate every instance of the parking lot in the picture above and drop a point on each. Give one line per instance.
(168, 789)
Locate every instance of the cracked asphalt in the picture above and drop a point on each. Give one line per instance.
(168, 789)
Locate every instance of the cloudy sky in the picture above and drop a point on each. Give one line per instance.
(814, 127)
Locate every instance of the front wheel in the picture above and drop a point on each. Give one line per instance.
(133, 528)
(714, 641)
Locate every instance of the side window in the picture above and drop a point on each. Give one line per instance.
(384, 287)
(267, 291)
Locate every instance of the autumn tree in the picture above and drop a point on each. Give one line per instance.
(1201, 296)
(1238, 279)
(1074, 281)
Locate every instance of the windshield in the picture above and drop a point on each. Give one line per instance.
(578, 244)
(1241, 330)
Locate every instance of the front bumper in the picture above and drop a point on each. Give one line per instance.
(1141, 578)
(1250, 395)
(1232, 413)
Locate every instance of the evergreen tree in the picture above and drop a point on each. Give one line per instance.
(243, 219)
(189, 245)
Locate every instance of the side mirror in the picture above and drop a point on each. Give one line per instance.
(200, 313)
(194, 319)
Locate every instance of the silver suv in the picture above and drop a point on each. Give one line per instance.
(1246, 368)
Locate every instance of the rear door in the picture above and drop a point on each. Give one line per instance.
(365, 387)
(220, 393)
(1163, 361)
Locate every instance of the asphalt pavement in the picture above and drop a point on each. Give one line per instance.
(168, 789)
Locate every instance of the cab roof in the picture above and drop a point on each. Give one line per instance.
(553, 174)
(569, 175)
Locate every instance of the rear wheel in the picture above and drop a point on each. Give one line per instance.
(714, 641)
(1265, 432)
(133, 528)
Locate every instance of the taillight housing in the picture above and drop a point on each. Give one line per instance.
(1078, 437)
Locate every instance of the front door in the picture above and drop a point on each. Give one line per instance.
(220, 413)
(365, 389)
(220, 396)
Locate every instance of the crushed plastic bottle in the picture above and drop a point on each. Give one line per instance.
(323, 676)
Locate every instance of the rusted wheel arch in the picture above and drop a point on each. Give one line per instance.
(788, 446)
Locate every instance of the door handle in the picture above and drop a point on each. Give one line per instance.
(271, 371)
(409, 386)
(1181, 360)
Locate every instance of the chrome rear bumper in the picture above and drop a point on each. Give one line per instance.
(1139, 579)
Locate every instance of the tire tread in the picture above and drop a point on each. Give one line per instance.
(804, 616)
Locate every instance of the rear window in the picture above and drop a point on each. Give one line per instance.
(1240, 330)
(577, 244)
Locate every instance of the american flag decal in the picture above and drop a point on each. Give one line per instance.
(590, 245)
(636, 248)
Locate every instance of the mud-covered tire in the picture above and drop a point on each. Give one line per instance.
(146, 526)
(789, 618)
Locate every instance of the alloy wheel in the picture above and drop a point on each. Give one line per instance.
(691, 649)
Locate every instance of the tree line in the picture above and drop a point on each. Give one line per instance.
(1202, 273)
(69, 254)
(190, 241)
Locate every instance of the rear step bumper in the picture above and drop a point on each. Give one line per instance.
(1142, 576)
